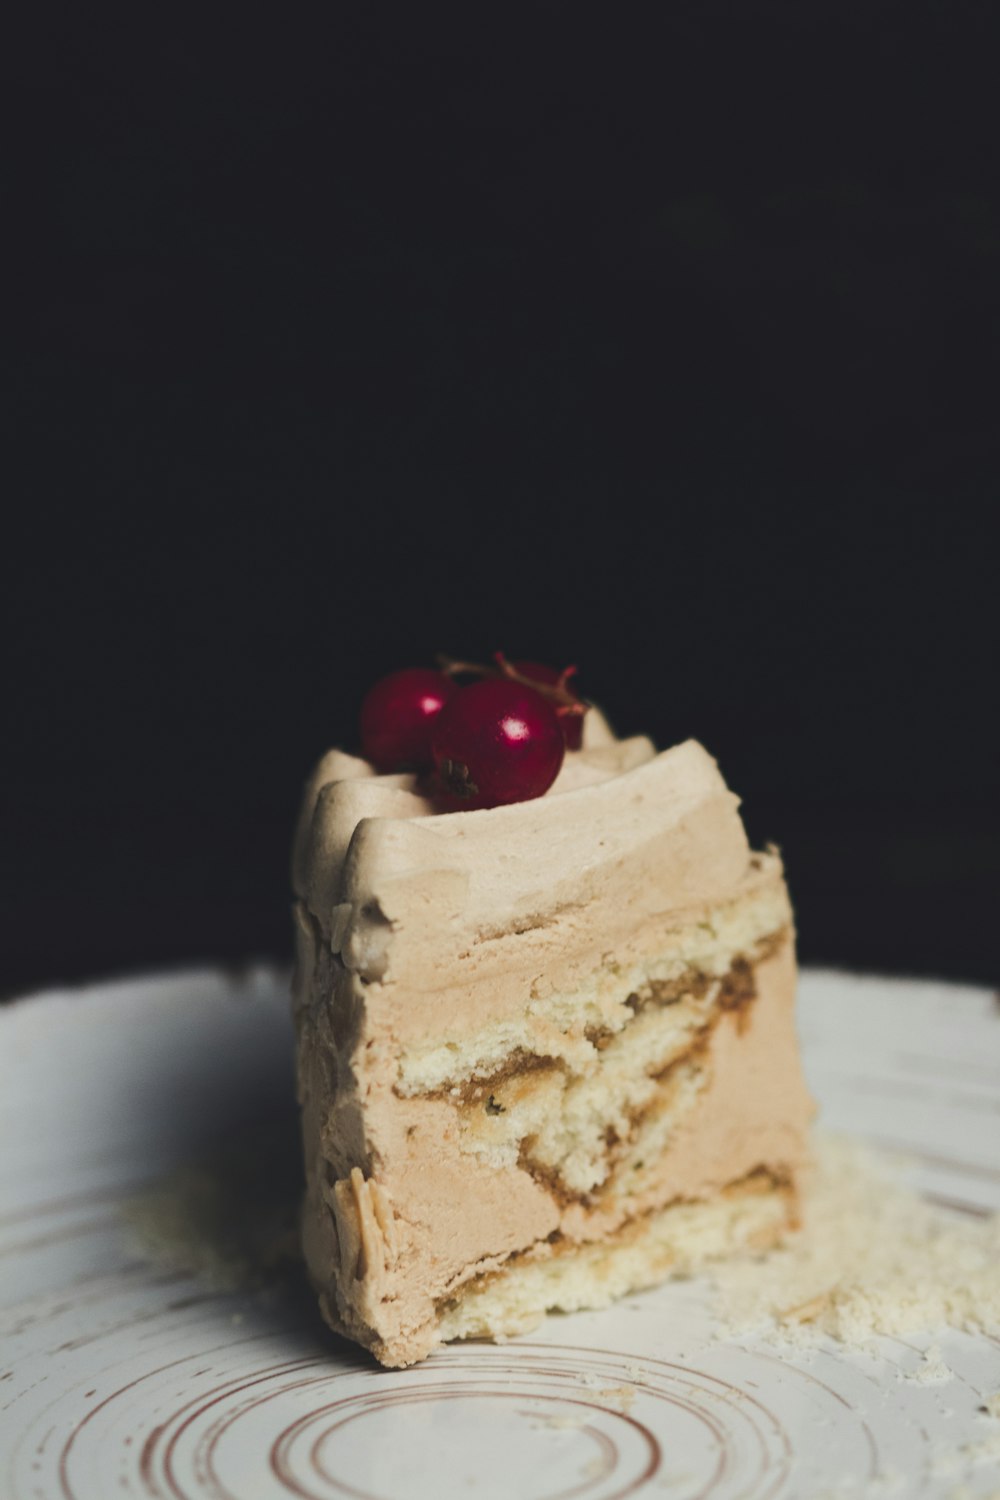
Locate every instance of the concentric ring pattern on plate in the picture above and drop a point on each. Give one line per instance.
(122, 1376)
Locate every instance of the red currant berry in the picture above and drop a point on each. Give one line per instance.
(397, 715)
(572, 723)
(495, 742)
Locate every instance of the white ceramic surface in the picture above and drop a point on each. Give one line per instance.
(120, 1376)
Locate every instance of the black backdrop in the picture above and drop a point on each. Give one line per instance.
(660, 339)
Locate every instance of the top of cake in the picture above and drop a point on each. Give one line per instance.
(400, 891)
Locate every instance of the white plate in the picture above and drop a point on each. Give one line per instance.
(121, 1377)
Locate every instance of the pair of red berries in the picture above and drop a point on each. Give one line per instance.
(498, 739)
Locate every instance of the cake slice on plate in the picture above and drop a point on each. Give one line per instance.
(546, 1050)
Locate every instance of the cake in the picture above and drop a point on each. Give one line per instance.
(546, 1050)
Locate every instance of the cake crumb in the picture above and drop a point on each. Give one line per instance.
(553, 1423)
(872, 1258)
(991, 1406)
(621, 1397)
(597, 1467)
(807, 1311)
(228, 1220)
(953, 1458)
(932, 1370)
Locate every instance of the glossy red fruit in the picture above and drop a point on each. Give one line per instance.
(397, 716)
(496, 741)
(572, 724)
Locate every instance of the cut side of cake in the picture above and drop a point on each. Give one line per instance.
(546, 1051)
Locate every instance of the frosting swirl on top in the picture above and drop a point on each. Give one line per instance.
(398, 890)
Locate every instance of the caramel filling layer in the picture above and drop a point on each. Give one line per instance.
(761, 1182)
(595, 1131)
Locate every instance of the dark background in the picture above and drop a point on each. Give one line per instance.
(661, 339)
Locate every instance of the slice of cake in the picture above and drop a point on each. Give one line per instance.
(546, 1050)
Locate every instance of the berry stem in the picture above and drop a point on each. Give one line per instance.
(453, 668)
(559, 693)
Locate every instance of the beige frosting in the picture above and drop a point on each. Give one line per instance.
(418, 931)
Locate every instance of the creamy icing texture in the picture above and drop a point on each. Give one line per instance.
(530, 1025)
